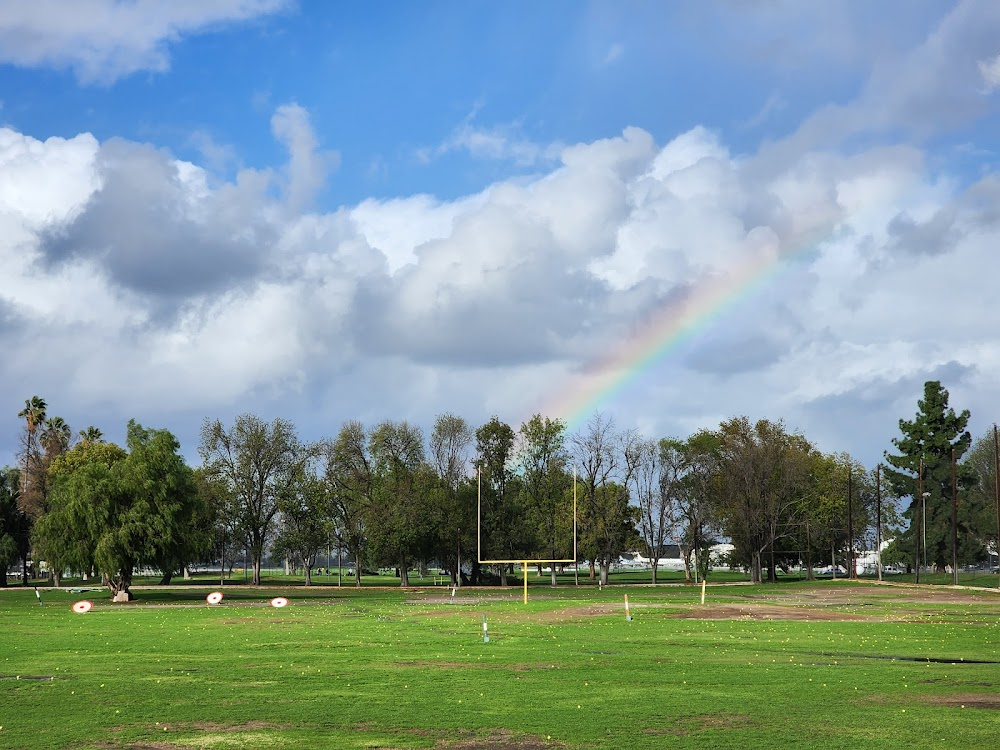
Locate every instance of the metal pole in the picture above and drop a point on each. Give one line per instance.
(524, 572)
(954, 520)
(916, 511)
(878, 519)
(850, 524)
(576, 560)
(996, 489)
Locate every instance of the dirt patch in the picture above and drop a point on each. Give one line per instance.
(965, 700)
(499, 739)
(768, 612)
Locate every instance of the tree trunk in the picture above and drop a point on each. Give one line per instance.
(654, 572)
(165, 580)
(755, 567)
(24, 570)
(308, 569)
(256, 571)
(604, 572)
(404, 574)
(56, 579)
(552, 574)
(357, 573)
(502, 569)
(593, 570)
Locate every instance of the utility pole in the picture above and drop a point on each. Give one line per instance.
(850, 525)
(916, 511)
(878, 519)
(996, 477)
(954, 520)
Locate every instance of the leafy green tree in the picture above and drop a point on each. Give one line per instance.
(220, 503)
(503, 529)
(85, 490)
(763, 471)
(350, 475)
(164, 522)
(978, 509)
(257, 461)
(400, 521)
(927, 441)
(306, 524)
(450, 442)
(543, 461)
(117, 511)
(14, 525)
(696, 523)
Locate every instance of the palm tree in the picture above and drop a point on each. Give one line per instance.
(91, 435)
(55, 437)
(33, 414)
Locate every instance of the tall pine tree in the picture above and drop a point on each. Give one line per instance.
(929, 438)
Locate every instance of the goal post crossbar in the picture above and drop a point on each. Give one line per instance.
(523, 562)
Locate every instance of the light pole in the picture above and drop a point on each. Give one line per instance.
(924, 497)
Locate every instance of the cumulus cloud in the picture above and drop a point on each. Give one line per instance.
(104, 40)
(153, 284)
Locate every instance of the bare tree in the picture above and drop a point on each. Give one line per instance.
(258, 461)
(450, 442)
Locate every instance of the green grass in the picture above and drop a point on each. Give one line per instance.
(387, 668)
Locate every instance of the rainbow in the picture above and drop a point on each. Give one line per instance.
(662, 333)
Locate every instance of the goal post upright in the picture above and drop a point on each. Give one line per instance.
(522, 561)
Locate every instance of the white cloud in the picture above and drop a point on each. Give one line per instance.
(492, 302)
(104, 40)
(990, 71)
(308, 166)
(500, 142)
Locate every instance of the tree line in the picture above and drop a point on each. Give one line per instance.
(389, 496)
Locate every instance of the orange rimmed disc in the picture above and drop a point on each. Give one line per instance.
(82, 607)
(279, 601)
(214, 598)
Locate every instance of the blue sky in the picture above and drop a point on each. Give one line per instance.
(396, 210)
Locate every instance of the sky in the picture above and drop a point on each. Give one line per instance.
(670, 214)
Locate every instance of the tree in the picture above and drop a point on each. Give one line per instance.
(399, 523)
(305, 518)
(14, 524)
(258, 461)
(450, 441)
(91, 435)
(762, 473)
(654, 487)
(695, 516)
(979, 507)
(85, 494)
(351, 478)
(220, 502)
(501, 520)
(30, 452)
(607, 461)
(543, 460)
(117, 511)
(925, 458)
(163, 521)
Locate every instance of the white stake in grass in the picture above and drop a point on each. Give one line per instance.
(486, 631)
(628, 612)
(39, 596)
(702, 590)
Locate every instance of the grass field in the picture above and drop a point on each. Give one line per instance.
(791, 665)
